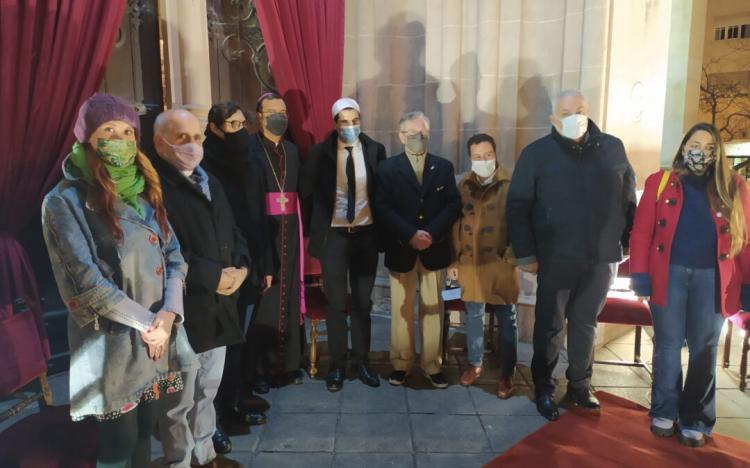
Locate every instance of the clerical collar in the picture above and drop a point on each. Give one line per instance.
(270, 142)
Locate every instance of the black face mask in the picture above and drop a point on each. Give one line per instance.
(277, 124)
(238, 140)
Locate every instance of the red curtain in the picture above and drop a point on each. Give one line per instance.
(305, 43)
(52, 56)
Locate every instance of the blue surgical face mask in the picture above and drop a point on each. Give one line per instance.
(349, 134)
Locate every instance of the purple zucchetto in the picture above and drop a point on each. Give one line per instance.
(100, 108)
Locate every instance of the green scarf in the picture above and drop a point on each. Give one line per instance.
(129, 182)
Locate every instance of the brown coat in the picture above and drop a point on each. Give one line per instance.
(485, 261)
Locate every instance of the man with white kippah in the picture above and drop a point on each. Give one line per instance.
(340, 177)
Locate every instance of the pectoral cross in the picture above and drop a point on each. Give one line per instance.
(282, 201)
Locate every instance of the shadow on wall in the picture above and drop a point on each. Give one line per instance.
(459, 105)
(534, 104)
(401, 84)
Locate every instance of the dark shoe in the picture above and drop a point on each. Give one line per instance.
(295, 378)
(222, 444)
(584, 398)
(397, 377)
(262, 386)
(220, 462)
(252, 418)
(335, 380)
(243, 416)
(254, 403)
(437, 380)
(691, 441)
(505, 388)
(547, 407)
(366, 375)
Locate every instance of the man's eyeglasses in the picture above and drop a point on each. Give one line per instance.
(413, 135)
(235, 124)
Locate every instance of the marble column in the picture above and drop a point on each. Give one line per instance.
(186, 55)
(686, 37)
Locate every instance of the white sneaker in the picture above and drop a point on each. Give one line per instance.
(662, 427)
(691, 438)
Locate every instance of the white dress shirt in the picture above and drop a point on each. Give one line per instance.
(362, 212)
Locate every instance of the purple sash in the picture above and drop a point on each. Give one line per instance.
(285, 203)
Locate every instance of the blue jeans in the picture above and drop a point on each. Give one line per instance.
(692, 314)
(506, 317)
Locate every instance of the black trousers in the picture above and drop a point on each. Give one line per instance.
(349, 258)
(126, 441)
(234, 378)
(576, 292)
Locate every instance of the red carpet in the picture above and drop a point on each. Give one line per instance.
(619, 436)
(49, 439)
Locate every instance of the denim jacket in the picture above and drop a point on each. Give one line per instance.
(113, 290)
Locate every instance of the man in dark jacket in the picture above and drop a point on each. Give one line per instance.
(416, 204)
(569, 210)
(218, 262)
(340, 176)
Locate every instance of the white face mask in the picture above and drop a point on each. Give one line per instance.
(574, 126)
(483, 169)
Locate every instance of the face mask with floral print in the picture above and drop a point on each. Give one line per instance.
(698, 161)
(118, 153)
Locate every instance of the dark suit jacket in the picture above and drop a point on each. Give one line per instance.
(318, 181)
(403, 206)
(209, 241)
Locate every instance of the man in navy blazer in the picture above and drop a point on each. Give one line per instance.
(416, 204)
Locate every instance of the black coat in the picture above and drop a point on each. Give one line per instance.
(403, 206)
(264, 181)
(242, 180)
(318, 180)
(209, 241)
(569, 202)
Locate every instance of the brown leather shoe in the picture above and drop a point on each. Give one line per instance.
(470, 376)
(220, 462)
(505, 388)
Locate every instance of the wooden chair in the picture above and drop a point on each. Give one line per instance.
(40, 393)
(315, 303)
(24, 362)
(742, 321)
(623, 307)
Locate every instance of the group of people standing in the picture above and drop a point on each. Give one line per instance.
(159, 258)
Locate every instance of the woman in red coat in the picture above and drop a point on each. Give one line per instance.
(690, 258)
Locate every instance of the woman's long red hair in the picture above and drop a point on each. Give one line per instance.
(105, 195)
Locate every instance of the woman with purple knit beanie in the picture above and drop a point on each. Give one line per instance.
(119, 270)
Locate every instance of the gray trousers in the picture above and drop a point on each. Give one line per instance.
(188, 418)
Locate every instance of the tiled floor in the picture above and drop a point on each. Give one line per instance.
(419, 426)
